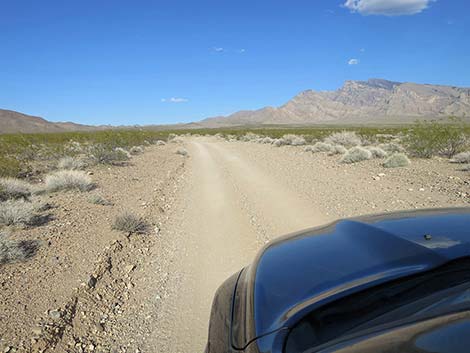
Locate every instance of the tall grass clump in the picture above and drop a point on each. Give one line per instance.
(16, 212)
(463, 157)
(129, 223)
(11, 188)
(429, 138)
(356, 154)
(344, 138)
(71, 163)
(16, 251)
(68, 180)
(397, 160)
(99, 200)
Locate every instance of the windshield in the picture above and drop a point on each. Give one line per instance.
(444, 289)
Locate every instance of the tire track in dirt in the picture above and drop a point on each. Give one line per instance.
(216, 235)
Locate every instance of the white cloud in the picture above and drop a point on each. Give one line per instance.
(353, 61)
(387, 7)
(218, 49)
(175, 100)
(362, 50)
(242, 50)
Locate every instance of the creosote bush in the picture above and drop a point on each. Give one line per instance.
(130, 223)
(104, 155)
(16, 251)
(356, 154)
(71, 163)
(430, 138)
(9, 167)
(16, 212)
(11, 188)
(68, 180)
(344, 138)
(396, 160)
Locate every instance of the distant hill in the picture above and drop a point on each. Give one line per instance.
(12, 122)
(372, 101)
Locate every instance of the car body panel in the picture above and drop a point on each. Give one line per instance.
(299, 272)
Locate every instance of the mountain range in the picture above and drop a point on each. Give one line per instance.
(13, 122)
(375, 101)
(372, 101)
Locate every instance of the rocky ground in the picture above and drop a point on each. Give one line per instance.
(90, 288)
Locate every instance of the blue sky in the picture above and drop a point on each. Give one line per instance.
(143, 62)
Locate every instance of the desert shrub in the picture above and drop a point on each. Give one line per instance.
(430, 138)
(308, 149)
(356, 154)
(182, 152)
(391, 147)
(377, 152)
(68, 180)
(267, 140)
(130, 223)
(104, 155)
(397, 160)
(465, 168)
(337, 149)
(99, 200)
(15, 212)
(71, 163)
(344, 138)
(249, 137)
(11, 188)
(463, 157)
(160, 143)
(279, 142)
(16, 251)
(322, 147)
(134, 150)
(9, 167)
(293, 140)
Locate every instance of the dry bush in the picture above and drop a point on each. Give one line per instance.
(160, 143)
(136, 150)
(279, 142)
(377, 152)
(16, 251)
(15, 212)
(293, 140)
(356, 154)
(337, 149)
(267, 140)
(344, 138)
(99, 200)
(321, 147)
(182, 152)
(71, 163)
(463, 157)
(397, 160)
(130, 223)
(103, 155)
(68, 180)
(392, 147)
(11, 188)
(249, 137)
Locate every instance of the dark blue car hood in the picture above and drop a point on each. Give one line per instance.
(299, 272)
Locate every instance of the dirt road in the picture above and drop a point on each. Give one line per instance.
(210, 212)
(231, 208)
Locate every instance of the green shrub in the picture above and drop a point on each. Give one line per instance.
(9, 167)
(430, 138)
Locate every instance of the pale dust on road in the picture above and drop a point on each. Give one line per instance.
(229, 210)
